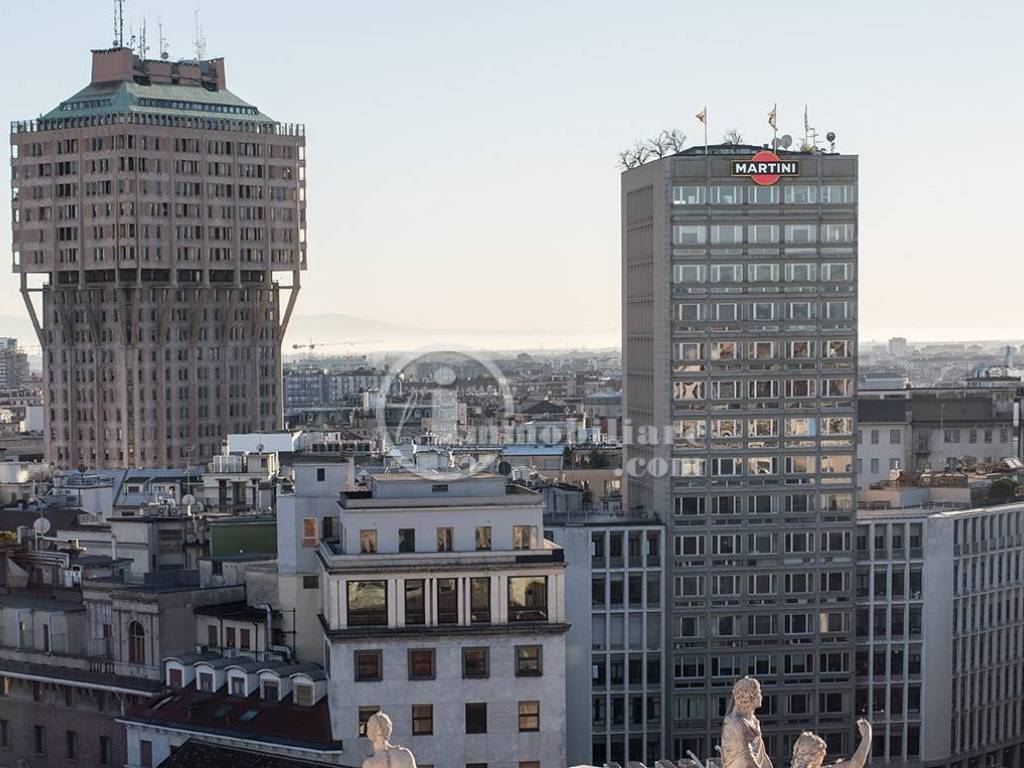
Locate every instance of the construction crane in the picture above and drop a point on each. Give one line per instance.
(312, 345)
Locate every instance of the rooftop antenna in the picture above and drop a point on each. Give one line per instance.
(161, 40)
(200, 39)
(118, 23)
(142, 41)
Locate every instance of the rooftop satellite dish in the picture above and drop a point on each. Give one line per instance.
(786, 141)
(188, 499)
(41, 526)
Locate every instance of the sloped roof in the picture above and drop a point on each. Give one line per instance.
(156, 99)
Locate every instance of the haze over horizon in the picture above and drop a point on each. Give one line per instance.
(479, 191)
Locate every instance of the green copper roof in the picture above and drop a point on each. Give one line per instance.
(157, 99)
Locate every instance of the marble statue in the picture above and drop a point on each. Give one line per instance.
(742, 745)
(810, 750)
(385, 754)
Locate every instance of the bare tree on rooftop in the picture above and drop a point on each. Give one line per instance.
(676, 139)
(732, 137)
(659, 146)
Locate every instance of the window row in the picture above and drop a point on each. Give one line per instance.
(762, 503)
(761, 543)
(790, 194)
(696, 667)
(830, 272)
(761, 584)
(367, 601)
(697, 430)
(761, 234)
(792, 624)
(422, 663)
(476, 721)
(804, 349)
(760, 465)
(763, 310)
(523, 537)
(761, 389)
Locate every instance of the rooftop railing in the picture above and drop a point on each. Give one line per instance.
(168, 121)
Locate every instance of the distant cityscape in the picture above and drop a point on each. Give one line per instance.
(224, 545)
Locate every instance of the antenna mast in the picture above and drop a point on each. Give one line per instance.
(142, 41)
(162, 41)
(200, 41)
(119, 23)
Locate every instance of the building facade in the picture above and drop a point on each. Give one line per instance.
(14, 370)
(739, 366)
(443, 606)
(153, 212)
(939, 635)
(614, 659)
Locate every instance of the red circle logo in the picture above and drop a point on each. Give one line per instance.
(765, 179)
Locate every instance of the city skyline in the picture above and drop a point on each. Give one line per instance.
(469, 123)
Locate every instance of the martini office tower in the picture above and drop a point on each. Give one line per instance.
(153, 212)
(739, 331)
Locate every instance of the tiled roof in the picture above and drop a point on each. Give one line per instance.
(282, 723)
(194, 753)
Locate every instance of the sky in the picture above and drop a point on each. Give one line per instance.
(462, 155)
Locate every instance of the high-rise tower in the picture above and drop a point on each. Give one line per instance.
(739, 344)
(153, 213)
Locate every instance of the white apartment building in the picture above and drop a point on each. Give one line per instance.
(444, 607)
(940, 627)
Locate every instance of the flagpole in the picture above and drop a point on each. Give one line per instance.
(705, 121)
(775, 126)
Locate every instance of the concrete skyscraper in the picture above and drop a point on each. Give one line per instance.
(739, 345)
(153, 212)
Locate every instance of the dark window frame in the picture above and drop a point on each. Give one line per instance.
(524, 666)
(432, 655)
(476, 717)
(362, 673)
(486, 673)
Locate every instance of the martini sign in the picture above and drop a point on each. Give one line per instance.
(765, 168)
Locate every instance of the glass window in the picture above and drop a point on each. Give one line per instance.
(801, 273)
(483, 537)
(689, 467)
(689, 234)
(421, 664)
(799, 310)
(445, 539)
(480, 600)
(475, 663)
(726, 273)
(758, 195)
(368, 665)
(365, 713)
(690, 431)
(447, 601)
(406, 539)
(837, 310)
(727, 195)
(833, 273)
(367, 603)
(529, 716)
(689, 312)
(529, 660)
(761, 350)
(726, 234)
(837, 348)
(836, 194)
(415, 602)
(309, 532)
(724, 350)
(688, 390)
(724, 428)
(527, 598)
(689, 350)
(476, 717)
(800, 350)
(837, 233)
(800, 233)
(688, 273)
(800, 194)
(688, 195)
(422, 719)
(763, 273)
(762, 310)
(726, 312)
(368, 541)
(522, 536)
(762, 233)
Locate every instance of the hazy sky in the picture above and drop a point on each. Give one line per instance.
(462, 155)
